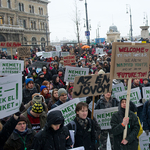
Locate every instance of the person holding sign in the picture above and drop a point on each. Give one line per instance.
(118, 123)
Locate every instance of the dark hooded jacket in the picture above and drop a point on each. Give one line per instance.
(48, 139)
(117, 130)
(56, 85)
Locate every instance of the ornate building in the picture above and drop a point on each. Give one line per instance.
(113, 34)
(24, 21)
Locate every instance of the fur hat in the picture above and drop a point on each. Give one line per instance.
(61, 91)
(37, 98)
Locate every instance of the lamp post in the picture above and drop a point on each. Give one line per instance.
(46, 28)
(98, 26)
(129, 8)
(145, 19)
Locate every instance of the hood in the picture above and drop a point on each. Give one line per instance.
(54, 78)
(53, 117)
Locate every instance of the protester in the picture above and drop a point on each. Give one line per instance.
(56, 83)
(40, 78)
(55, 68)
(54, 136)
(118, 123)
(70, 93)
(47, 73)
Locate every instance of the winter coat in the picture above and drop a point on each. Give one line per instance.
(15, 143)
(132, 131)
(7, 131)
(146, 116)
(54, 71)
(40, 81)
(84, 137)
(27, 94)
(57, 85)
(43, 117)
(48, 139)
(48, 75)
(57, 104)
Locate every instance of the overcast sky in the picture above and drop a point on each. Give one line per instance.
(103, 13)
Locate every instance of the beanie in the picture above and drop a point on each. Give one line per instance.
(22, 118)
(28, 80)
(61, 91)
(37, 98)
(40, 73)
(42, 87)
(58, 122)
(37, 108)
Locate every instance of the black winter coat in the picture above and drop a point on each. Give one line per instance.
(84, 137)
(40, 81)
(48, 139)
(54, 71)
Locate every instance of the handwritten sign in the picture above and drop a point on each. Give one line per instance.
(48, 48)
(146, 93)
(54, 53)
(99, 51)
(10, 44)
(46, 55)
(24, 51)
(117, 88)
(64, 54)
(131, 61)
(91, 85)
(69, 60)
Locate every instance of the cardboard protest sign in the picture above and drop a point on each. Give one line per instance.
(135, 96)
(46, 54)
(58, 48)
(144, 141)
(48, 48)
(54, 53)
(99, 50)
(10, 94)
(69, 60)
(146, 93)
(64, 54)
(72, 72)
(68, 110)
(24, 51)
(10, 44)
(103, 117)
(129, 61)
(39, 64)
(8, 67)
(117, 88)
(91, 85)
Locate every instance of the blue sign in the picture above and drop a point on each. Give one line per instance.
(87, 33)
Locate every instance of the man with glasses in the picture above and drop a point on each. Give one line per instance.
(62, 94)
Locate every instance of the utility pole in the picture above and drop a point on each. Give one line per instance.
(46, 34)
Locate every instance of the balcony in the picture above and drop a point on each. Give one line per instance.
(11, 27)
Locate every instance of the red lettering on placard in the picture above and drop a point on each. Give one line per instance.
(131, 74)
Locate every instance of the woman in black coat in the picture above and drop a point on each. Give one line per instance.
(54, 136)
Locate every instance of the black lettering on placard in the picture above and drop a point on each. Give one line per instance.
(77, 94)
(86, 90)
(84, 80)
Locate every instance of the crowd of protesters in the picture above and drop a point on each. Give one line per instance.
(46, 89)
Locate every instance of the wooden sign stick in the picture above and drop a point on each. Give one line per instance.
(24, 62)
(93, 107)
(11, 53)
(127, 106)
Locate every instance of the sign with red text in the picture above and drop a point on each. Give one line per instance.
(10, 44)
(131, 61)
(69, 60)
(24, 51)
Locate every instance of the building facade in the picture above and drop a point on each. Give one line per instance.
(25, 21)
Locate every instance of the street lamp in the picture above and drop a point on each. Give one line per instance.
(98, 26)
(145, 19)
(46, 20)
(128, 8)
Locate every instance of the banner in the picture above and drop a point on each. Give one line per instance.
(24, 51)
(64, 54)
(39, 64)
(99, 51)
(54, 53)
(10, 94)
(10, 44)
(39, 54)
(72, 72)
(91, 85)
(46, 55)
(69, 60)
(146, 93)
(144, 141)
(8, 67)
(103, 117)
(68, 110)
(117, 88)
(135, 96)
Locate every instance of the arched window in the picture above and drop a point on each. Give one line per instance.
(41, 11)
(1, 20)
(43, 42)
(8, 4)
(24, 23)
(2, 39)
(34, 41)
(34, 24)
(31, 25)
(22, 7)
(11, 20)
(25, 40)
(19, 7)
(32, 9)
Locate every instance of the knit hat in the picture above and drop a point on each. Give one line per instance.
(22, 118)
(28, 80)
(37, 108)
(58, 122)
(61, 91)
(42, 87)
(37, 98)
(40, 73)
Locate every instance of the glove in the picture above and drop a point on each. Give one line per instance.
(147, 132)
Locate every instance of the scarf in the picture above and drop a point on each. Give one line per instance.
(21, 133)
(83, 122)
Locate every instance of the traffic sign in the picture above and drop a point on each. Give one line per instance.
(87, 33)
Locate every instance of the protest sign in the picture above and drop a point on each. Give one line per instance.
(90, 106)
(68, 110)
(24, 51)
(48, 48)
(135, 96)
(39, 53)
(144, 141)
(54, 53)
(146, 93)
(129, 61)
(117, 88)
(10, 94)
(103, 117)
(82, 99)
(8, 67)
(91, 85)
(64, 54)
(10, 44)
(99, 50)
(39, 64)
(46, 55)
(58, 48)
(72, 72)
(69, 60)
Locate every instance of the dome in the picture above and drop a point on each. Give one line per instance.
(113, 28)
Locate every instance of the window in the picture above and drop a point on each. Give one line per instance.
(19, 7)
(41, 25)
(41, 11)
(1, 20)
(2, 38)
(31, 25)
(22, 7)
(43, 42)
(34, 41)
(11, 20)
(30, 8)
(25, 40)
(34, 25)
(8, 3)
(24, 23)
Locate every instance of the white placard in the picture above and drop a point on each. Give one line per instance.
(58, 48)
(39, 53)
(99, 51)
(117, 88)
(64, 54)
(10, 94)
(8, 67)
(144, 141)
(54, 53)
(47, 54)
(146, 93)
